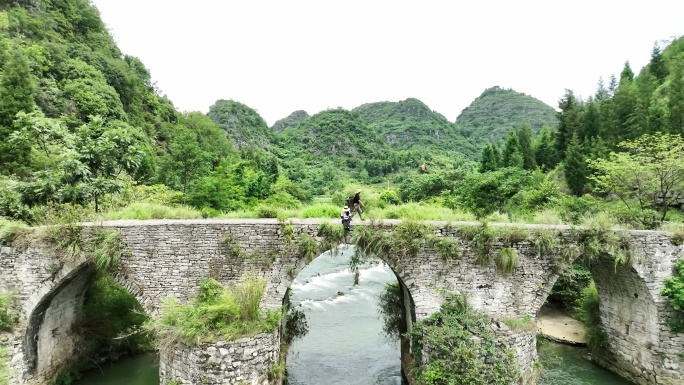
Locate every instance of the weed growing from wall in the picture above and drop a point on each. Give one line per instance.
(507, 260)
(462, 348)
(8, 317)
(104, 249)
(677, 238)
(228, 241)
(308, 247)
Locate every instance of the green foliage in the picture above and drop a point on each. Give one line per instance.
(570, 286)
(647, 177)
(10, 230)
(215, 314)
(483, 194)
(677, 238)
(112, 321)
(321, 211)
(588, 311)
(390, 196)
(674, 291)
(144, 211)
(524, 324)
(8, 316)
(462, 348)
(104, 249)
(333, 235)
(308, 247)
(390, 307)
(544, 241)
(481, 240)
(230, 244)
(599, 240)
(507, 260)
(494, 113)
(448, 248)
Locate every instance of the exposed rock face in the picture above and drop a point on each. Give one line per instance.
(292, 120)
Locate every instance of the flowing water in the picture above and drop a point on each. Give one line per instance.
(345, 345)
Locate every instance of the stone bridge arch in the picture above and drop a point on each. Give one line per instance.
(166, 258)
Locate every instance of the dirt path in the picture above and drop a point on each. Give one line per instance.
(558, 326)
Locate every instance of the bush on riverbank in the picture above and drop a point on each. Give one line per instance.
(462, 348)
(215, 314)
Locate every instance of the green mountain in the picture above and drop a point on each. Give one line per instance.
(497, 111)
(335, 133)
(291, 120)
(412, 125)
(242, 123)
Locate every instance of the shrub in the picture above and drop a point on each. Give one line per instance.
(462, 348)
(570, 286)
(264, 211)
(390, 196)
(215, 314)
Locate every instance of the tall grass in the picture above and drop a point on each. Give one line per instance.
(588, 311)
(153, 211)
(9, 230)
(507, 260)
(215, 314)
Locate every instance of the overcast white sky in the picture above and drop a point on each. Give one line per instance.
(279, 56)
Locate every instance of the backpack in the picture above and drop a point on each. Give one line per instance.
(350, 202)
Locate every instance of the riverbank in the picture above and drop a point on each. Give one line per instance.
(556, 325)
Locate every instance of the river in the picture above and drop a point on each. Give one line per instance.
(345, 345)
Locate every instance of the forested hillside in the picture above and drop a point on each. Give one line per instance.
(497, 111)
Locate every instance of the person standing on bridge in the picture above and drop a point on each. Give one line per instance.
(357, 205)
(346, 218)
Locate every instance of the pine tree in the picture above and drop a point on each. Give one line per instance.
(657, 65)
(602, 92)
(675, 93)
(569, 120)
(627, 74)
(612, 85)
(545, 149)
(489, 160)
(591, 121)
(575, 167)
(16, 94)
(526, 147)
(511, 156)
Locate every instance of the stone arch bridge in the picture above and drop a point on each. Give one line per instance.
(166, 258)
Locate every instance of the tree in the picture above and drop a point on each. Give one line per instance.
(490, 158)
(569, 120)
(185, 163)
(83, 165)
(512, 156)
(16, 95)
(545, 149)
(575, 167)
(648, 177)
(657, 66)
(526, 147)
(675, 93)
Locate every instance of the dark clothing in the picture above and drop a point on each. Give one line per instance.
(356, 199)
